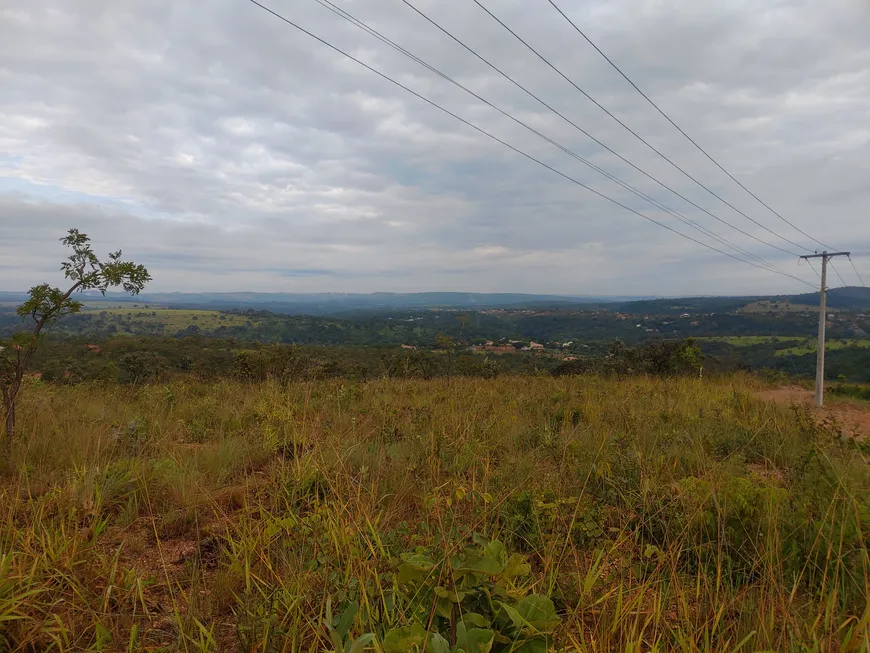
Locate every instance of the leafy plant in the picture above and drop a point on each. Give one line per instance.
(46, 305)
(339, 627)
(474, 602)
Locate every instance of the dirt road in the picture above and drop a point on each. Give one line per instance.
(852, 418)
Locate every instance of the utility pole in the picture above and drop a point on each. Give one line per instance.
(823, 309)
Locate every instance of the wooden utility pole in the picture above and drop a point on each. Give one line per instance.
(823, 310)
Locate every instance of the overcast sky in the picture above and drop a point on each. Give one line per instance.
(228, 151)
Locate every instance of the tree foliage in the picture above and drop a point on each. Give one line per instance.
(46, 304)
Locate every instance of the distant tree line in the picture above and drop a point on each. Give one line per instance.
(153, 359)
(421, 327)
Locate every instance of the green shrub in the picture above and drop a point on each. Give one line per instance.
(475, 602)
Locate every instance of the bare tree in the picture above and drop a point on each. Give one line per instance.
(46, 305)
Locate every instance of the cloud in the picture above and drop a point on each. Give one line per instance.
(227, 151)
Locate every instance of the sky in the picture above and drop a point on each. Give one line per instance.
(228, 151)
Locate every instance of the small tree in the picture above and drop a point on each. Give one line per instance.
(449, 345)
(47, 305)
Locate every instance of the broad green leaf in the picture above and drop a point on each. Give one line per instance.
(476, 563)
(404, 639)
(516, 566)
(539, 612)
(515, 617)
(335, 638)
(474, 619)
(361, 642)
(474, 640)
(437, 644)
(443, 608)
(418, 561)
(452, 596)
(496, 551)
(408, 574)
(533, 645)
(345, 621)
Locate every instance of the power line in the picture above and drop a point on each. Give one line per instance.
(508, 145)
(344, 14)
(857, 274)
(632, 132)
(839, 276)
(812, 267)
(679, 129)
(583, 131)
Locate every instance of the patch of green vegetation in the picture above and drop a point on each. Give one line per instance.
(850, 392)
(774, 306)
(173, 320)
(810, 347)
(748, 341)
(104, 304)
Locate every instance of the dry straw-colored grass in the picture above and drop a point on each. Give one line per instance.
(657, 514)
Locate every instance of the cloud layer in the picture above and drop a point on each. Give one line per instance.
(228, 151)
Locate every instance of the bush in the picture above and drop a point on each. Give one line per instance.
(475, 602)
(664, 358)
(141, 367)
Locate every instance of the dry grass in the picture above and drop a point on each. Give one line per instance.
(658, 515)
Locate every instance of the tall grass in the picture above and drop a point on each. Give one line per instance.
(657, 514)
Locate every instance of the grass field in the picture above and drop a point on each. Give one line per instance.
(801, 346)
(810, 347)
(523, 514)
(748, 341)
(175, 319)
(766, 306)
(103, 305)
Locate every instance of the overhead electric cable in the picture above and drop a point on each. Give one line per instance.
(580, 129)
(508, 145)
(811, 266)
(839, 276)
(344, 14)
(634, 133)
(857, 274)
(679, 129)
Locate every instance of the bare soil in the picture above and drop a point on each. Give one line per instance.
(852, 418)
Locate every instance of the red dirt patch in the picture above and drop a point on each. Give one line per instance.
(852, 419)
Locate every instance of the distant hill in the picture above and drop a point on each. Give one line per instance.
(335, 303)
(849, 298)
(677, 305)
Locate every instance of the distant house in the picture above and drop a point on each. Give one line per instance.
(567, 344)
(94, 349)
(408, 347)
(499, 349)
(535, 345)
